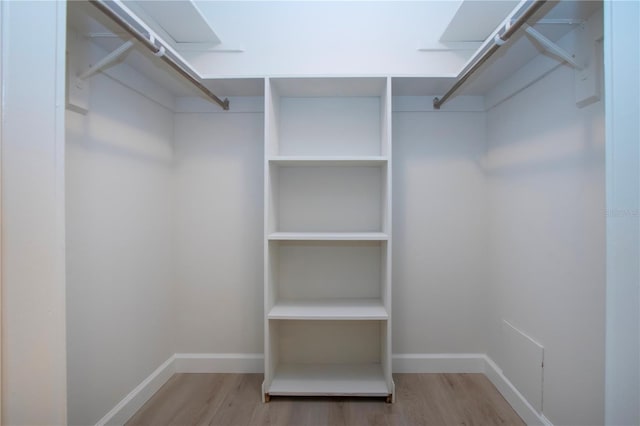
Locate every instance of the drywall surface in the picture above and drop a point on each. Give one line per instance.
(622, 88)
(218, 232)
(328, 38)
(33, 282)
(439, 233)
(119, 247)
(545, 170)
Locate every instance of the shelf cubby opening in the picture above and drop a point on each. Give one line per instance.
(327, 116)
(327, 198)
(324, 271)
(329, 358)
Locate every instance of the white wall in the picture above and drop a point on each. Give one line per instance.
(218, 232)
(33, 281)
(439, 232)
(120, 276)
(545, 170)
(328, 38)
(622, 86)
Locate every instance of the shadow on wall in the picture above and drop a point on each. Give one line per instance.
(545, 137)
(111, 129)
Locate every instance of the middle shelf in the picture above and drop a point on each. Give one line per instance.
(311, 161)
(329, 309)
(328, 236)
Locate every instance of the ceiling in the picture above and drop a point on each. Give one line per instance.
(89, 22)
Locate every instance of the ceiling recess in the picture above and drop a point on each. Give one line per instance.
(182, 20)
(484, 15)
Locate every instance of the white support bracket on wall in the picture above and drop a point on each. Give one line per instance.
(552, 47)
(106, 61)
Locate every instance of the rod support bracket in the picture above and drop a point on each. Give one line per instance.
(107, 61)
(436, 103)
(552, 47)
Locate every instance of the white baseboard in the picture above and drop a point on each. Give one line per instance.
(139, 396)
(219, 363)
(514, 398)
(254, 363)
(438, 363)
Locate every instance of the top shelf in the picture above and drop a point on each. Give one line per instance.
(329, 87)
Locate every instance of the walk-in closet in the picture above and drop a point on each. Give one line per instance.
(320, 212)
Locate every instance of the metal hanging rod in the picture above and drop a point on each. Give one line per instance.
(158, 51)
(498, 42)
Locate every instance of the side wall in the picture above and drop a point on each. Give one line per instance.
(545, 170)
(218, 230)
(439, 232)
(33, 281)
(120, 278)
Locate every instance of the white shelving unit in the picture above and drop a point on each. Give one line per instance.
(327, 238)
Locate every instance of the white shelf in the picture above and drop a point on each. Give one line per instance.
(329, 86)
(299, 160)
(329, 309)
(329, 379)
(328, 236)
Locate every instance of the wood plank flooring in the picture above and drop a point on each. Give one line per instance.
(234, 400)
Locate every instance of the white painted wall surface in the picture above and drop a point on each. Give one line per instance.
(622, 91)
(33, 277)
(545, 170)
(120, 276)
(440, 232)
(440, 224)
(328, 38)
(218, 232)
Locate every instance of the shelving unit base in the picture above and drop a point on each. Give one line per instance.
(329, 380)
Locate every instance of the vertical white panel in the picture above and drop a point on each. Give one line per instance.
(387, 203)
(269, 225)
(33, 275)
(1, 120)
(622, 91)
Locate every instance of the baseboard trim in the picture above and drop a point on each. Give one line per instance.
(514, 398)
(438, 363)
(131, 403)
(219, 363)
(254, 363)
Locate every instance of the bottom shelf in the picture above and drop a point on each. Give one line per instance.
(329, 380)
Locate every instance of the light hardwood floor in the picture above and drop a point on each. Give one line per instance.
(234, 399)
